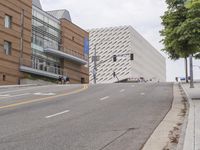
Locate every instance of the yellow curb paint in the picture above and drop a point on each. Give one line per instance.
(45, 98)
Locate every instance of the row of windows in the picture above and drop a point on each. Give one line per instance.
(43, 35)
(45, 19)
(44, 28)
(7, 46)
(45, 65)
(44, 42)
(47, 58)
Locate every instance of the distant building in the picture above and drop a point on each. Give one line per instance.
(39, 44)
(148, 63)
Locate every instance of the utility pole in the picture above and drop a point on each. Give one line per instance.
(21, 42)
(191, 73)
(94, 59)
(95, 64)
(186, 70)
(21, 36)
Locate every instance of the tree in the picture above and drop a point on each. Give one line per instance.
(181, 28)
(190, 28)
(173, 18)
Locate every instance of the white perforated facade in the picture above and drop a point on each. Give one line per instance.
(148, 62)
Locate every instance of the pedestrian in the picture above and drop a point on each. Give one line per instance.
(64, 79)
(60, 80)
(67, 80)
(176, 79)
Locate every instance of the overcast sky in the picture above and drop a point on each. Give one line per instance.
(143, 15)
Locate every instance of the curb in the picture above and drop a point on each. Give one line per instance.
(15, 86)
(189, 140)
(184, 125)
(161, 136)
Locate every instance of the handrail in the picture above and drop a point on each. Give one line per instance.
(41, 64)
(59, 47)
(74, 53)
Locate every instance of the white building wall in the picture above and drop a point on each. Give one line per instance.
(147, 63)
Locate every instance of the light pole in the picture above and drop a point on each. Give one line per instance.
(95, 64)
(94, 59)
(191, 73)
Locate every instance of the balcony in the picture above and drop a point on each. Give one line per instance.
(68, 54)
(40, 67)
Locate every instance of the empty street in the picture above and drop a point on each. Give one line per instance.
(82, 117)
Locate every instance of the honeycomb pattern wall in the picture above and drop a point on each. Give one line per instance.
(122, 41)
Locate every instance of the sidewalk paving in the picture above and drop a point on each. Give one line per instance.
(192, 135)
(166, 135)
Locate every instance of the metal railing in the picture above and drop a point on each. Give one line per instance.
(42, 65)
(57, 47)
(74, 53)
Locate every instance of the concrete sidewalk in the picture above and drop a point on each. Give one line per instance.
(166, 135)
(192, 135)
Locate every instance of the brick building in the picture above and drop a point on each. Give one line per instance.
(39, 44)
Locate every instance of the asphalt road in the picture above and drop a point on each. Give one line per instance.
(81, 117)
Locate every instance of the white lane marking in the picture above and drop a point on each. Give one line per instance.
(122, 90)
(9, 96)
(44, 94)
(6, 95)
(104, 98)
(142, 93)
(133, 85)
(19, 95)
(60, 113)
(24, 89)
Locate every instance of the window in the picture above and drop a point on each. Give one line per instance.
(8, 21)
(7, 47)
(82, 80)
(4, 77)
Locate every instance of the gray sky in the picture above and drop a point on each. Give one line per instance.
(143, 15)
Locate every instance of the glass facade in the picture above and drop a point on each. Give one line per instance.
(45, 31)
(45, 34)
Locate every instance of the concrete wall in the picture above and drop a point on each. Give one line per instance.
(35, 82)
(148, 62)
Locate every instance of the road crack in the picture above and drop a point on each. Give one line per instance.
(111, 142)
